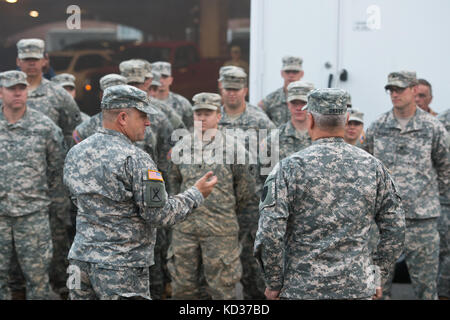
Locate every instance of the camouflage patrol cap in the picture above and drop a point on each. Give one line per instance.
(148, 68)
(234, 79)
(349, 100)
(206, 100)
(330, 101)
(156, 77)
(355, 115)
(224, 69)
(163, 67)
(30, 48)
(13, 77)
(125, 96)
(134, 70)
(110, 80)
(292, 63)
(64, 79)
(401, 79)
(298, 90)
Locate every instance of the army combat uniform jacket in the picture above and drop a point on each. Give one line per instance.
(31, 163)
(218, 215)
(121, 198)
(417, 157)
(56, 103)
(315, 215)
(276, 108)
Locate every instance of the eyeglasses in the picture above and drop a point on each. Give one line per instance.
(395, 89)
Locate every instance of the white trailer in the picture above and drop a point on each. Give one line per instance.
(367, 38)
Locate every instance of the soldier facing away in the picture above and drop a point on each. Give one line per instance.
(121, 197)
(316, 210)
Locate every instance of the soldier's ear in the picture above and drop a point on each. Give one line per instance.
(311, 123)
(122, 118)
(302, 73)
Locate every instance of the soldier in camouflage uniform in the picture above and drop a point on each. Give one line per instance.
(222, 70)
(353, 133)
(424, 96)
(67, 81)
(88, 128)
(44, 95)
(412, 145)
(31, 161)
(180, 104)
(172, 115)
(247, 123)
(208, 241)
(315, 214)
(275, 104)
(443, 225)
(57, 104)
(120, 198)
(157, 143)
(293, 135)
(157, 140)
(354, 127)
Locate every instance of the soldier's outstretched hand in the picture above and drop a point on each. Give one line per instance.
(206, 183)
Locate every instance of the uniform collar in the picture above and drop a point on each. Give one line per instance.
(290, 130)
(329, 140)
(283, 95)
(114, 133)
(225, 118)
(40, 90)
(414, 124)
(22, 123)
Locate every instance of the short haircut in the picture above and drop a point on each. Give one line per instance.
(329, 122)
(425, 83)
(110, 115)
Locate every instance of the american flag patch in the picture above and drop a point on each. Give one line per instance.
(155, 175)
(76, 137)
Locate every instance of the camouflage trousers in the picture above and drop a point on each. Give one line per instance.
(252, 278)
(374, 237)
(29, 238)
(159, 276)
(444, 253)
(422, 258)
(91, 281)
(58, 264)
(61, 242)
(219, 256)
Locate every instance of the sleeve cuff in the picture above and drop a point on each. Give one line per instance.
(196, 196)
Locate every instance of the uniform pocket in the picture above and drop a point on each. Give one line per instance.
(232, 267)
